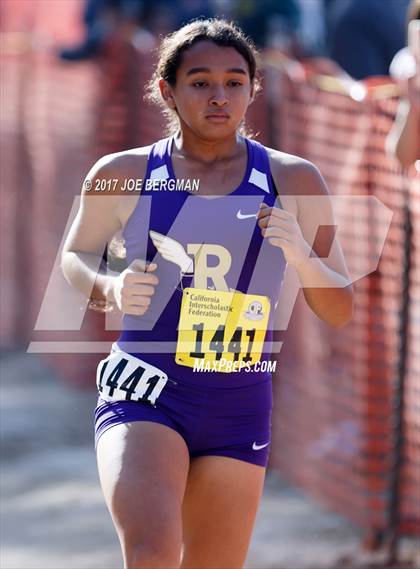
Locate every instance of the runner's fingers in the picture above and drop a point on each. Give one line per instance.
(135, 299)
(127, 308)
(143, 301)
(140, 266)
(142, 290)
(275, 212)
(137, 306)
(134, 310)
(270, 221)
(140, 278)
(276, 232)
(277, 242)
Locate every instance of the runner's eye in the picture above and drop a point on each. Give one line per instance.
(199, 84)
(234, 83)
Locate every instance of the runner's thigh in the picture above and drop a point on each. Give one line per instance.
(143, 468)
(219, 510)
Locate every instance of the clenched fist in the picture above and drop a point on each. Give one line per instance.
(282, 230)
(134, 287)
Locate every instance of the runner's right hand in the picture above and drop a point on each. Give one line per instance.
(134, 287)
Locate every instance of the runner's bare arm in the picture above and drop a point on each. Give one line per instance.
(99, 217)
(323, 275)
(403, 140)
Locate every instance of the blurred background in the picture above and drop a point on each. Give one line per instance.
(341, 88)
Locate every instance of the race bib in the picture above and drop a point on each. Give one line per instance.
(218, 324)
(121, 376)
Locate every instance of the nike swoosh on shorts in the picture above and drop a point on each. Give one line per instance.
(258, 447)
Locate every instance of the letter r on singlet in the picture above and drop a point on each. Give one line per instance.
(202, 271)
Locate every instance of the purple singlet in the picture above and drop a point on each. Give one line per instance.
(217, 413)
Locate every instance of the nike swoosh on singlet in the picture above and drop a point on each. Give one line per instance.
(241, 215)
(258, 447)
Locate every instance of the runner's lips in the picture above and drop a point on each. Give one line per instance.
(217, 116)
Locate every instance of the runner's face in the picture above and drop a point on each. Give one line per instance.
(213, 90)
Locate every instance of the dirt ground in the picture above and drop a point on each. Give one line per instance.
(52, 512)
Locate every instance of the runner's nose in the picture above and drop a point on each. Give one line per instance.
(218, 98)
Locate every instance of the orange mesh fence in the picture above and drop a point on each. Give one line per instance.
(393, 187)
(123, 120)
(411, 468)
(336, 399)
(57, 119)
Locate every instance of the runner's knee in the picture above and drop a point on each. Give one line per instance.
(158, 553)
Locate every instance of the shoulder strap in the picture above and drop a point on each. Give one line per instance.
(262, 163)
(157, 160)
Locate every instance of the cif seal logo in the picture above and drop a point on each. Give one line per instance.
(255, 311)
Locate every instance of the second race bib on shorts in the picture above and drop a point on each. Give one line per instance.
(122, 376)
(218, 324)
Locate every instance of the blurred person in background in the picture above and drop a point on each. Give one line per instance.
(185, 10)
(271, 23)
(267, 22)
(101, 18)
(141, 21)
(182, 453)
(403, 141)
(312, 32)
(364, 35)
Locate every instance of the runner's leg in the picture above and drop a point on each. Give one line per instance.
(219, 510)
(143, 468)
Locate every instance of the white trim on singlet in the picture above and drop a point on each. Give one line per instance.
(259, 179)
(159, 173)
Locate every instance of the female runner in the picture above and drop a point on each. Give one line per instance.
(182, 451)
